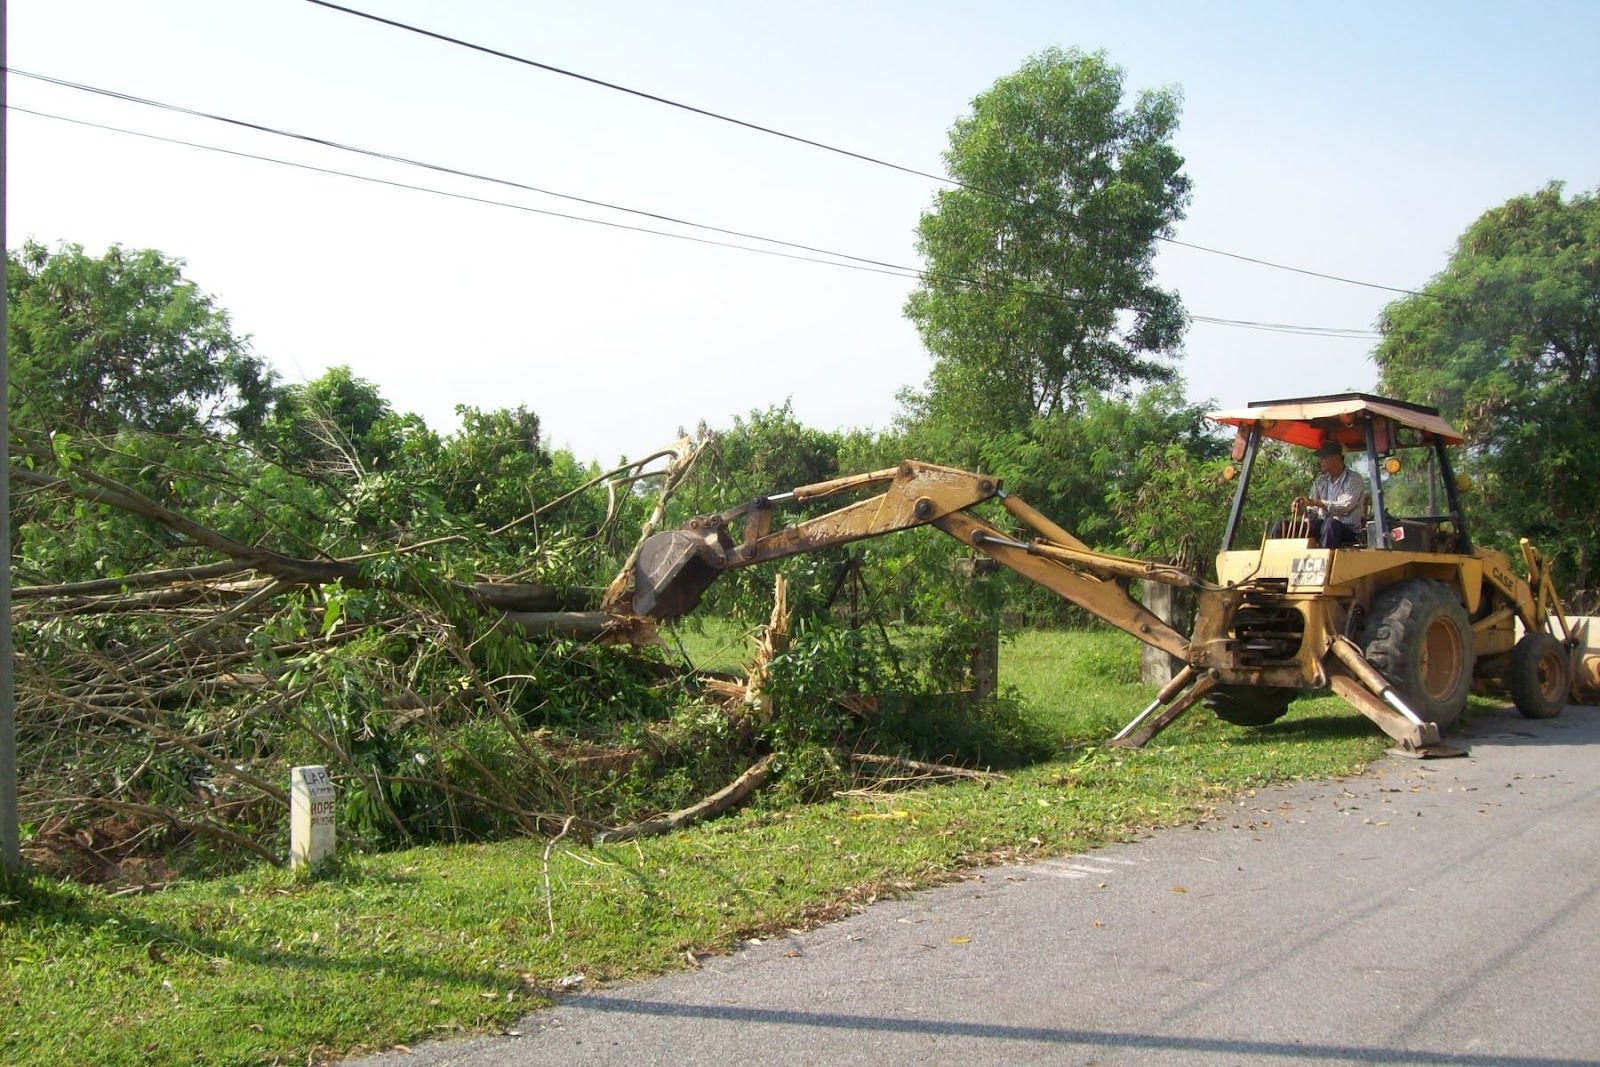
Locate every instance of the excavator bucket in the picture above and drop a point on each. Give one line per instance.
(672, 572)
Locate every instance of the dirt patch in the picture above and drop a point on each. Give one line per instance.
(114, 851)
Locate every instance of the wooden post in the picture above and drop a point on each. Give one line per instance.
(986, 648)
(311, 833)
(1155, 666)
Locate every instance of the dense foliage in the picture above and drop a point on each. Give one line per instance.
(123, 342)
(1506, 340)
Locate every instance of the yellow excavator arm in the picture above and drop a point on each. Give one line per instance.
(675, 568)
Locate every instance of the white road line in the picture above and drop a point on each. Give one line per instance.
(1057, 872)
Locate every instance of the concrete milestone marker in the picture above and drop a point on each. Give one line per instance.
(311, 837)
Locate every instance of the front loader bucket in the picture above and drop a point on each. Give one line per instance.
(672, 573)
(1585, 642)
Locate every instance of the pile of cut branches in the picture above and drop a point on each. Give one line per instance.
(159, 709)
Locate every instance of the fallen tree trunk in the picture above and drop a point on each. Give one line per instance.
(576, 624)
(99, 586)
(510, 596)
(83, 482)
(177, 595)
(584, 626)
(108, 491)
(718, 802)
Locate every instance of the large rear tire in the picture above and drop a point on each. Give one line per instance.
(1249, 705)
(1419, 638)
(1539, 676)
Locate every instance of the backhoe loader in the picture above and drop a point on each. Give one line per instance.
(1398, 625)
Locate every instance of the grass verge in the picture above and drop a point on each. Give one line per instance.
(394, 948)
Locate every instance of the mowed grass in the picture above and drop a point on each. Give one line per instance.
(396, 948)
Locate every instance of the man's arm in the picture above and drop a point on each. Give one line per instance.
(1319, 490)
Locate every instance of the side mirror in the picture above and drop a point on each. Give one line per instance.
(1230, 472)
(1463, 482)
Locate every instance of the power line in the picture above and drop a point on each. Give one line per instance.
(1289, 327)
(440, 168)
(640, 93)
(444, 192)
(477, 176)
(824, 146)
(860, 263)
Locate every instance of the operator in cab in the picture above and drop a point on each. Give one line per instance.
(1337, 507)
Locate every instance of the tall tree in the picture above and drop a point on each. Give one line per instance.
(124, 341)
(1039, 286)
(1506, 340)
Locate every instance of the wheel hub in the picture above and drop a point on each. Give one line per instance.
(1442, 657)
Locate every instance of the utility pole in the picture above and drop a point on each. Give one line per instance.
(10, 829)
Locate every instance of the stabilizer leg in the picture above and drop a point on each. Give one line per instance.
(1139, 732)
(1363, 688)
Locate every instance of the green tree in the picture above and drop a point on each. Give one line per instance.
(1071, 464)
(1082, 467)
(766, 452)
(337, 421)
(1039, 287)
(494, 467)
(770, 452)
(1178, 503)
(1506, 340)
(124, 341)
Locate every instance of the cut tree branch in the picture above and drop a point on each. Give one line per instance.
(925, 770)
(142, 580)
(723, 799)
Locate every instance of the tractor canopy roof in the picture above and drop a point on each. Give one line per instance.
(1343, 417)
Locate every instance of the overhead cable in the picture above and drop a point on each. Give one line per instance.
(333, 171)
(824, 146)
(439, 167)
(840, 259)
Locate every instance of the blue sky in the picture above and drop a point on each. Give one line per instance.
(1357, 139)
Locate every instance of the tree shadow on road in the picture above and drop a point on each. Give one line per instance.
(1281, 1051)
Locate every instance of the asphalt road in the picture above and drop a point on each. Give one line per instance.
(1439, 912)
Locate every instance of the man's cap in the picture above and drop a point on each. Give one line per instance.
(1329, 448)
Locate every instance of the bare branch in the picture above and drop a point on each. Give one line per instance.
(142, 580)
(730, 796)
(925, 771)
